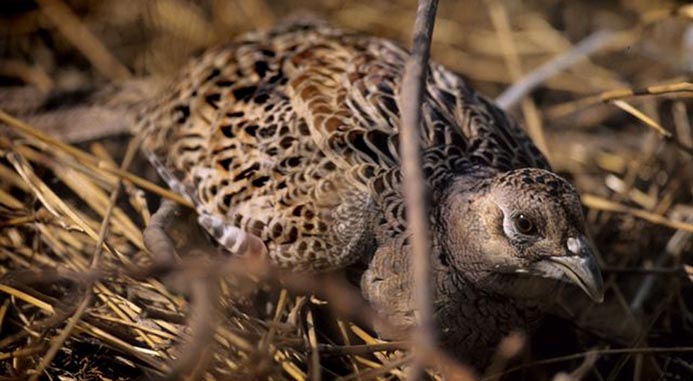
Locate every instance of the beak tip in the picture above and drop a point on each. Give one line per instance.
(583, 272)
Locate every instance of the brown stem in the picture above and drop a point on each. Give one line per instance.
(413, 86)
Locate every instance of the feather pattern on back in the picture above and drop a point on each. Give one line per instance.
(292, 135)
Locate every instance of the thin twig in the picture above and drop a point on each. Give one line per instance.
(563, 109)
(59, 340)
(315, 368)
(364, 349)
(90, 160)
(501, 22)
(630, 109)
(81, 37)
(598, 203)
(413, 85)
(593, 43)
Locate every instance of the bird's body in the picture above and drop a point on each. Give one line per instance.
(291, 136)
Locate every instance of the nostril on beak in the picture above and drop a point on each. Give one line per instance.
(575, 246)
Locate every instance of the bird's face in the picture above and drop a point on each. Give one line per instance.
(526, 225)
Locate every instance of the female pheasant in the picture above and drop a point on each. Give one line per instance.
(291, 137)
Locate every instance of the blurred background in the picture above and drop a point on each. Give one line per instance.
(613, 115)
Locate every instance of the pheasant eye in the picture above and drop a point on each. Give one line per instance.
(524, 225)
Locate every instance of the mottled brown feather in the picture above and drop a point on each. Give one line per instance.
(291, 135)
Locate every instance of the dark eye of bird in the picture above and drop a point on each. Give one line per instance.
(524, 225)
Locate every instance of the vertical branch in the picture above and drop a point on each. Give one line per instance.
(413, 89)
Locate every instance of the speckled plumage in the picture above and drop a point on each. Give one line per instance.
(291, 136)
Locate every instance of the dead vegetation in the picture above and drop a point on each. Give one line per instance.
(604, 89)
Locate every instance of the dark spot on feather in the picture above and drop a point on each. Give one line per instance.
(228, 131)
(359, 143)
(183, 112)
(257, 227)
(212, 99)
(244, 93)
(276, 78)
(488, 156)
(390, 104)
(214, 73)
(224, 83)
(322, 227)
(293, 234)
(226, 163)
(268, 131)
(447, 97)
(261, 68)
(246, 173)
(303, 129)
(277, 229)
(293, 161)
(287, 142)
(251, 130)
(236, 114)
(379, 185)
(378, 138)
(260, 99)
(368, 172)
(260, 181)
(443, 258)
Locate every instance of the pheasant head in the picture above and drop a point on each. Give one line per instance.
(512, 229)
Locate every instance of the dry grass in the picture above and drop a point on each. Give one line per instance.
(81, 298)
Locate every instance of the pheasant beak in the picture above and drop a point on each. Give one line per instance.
(580, 266)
